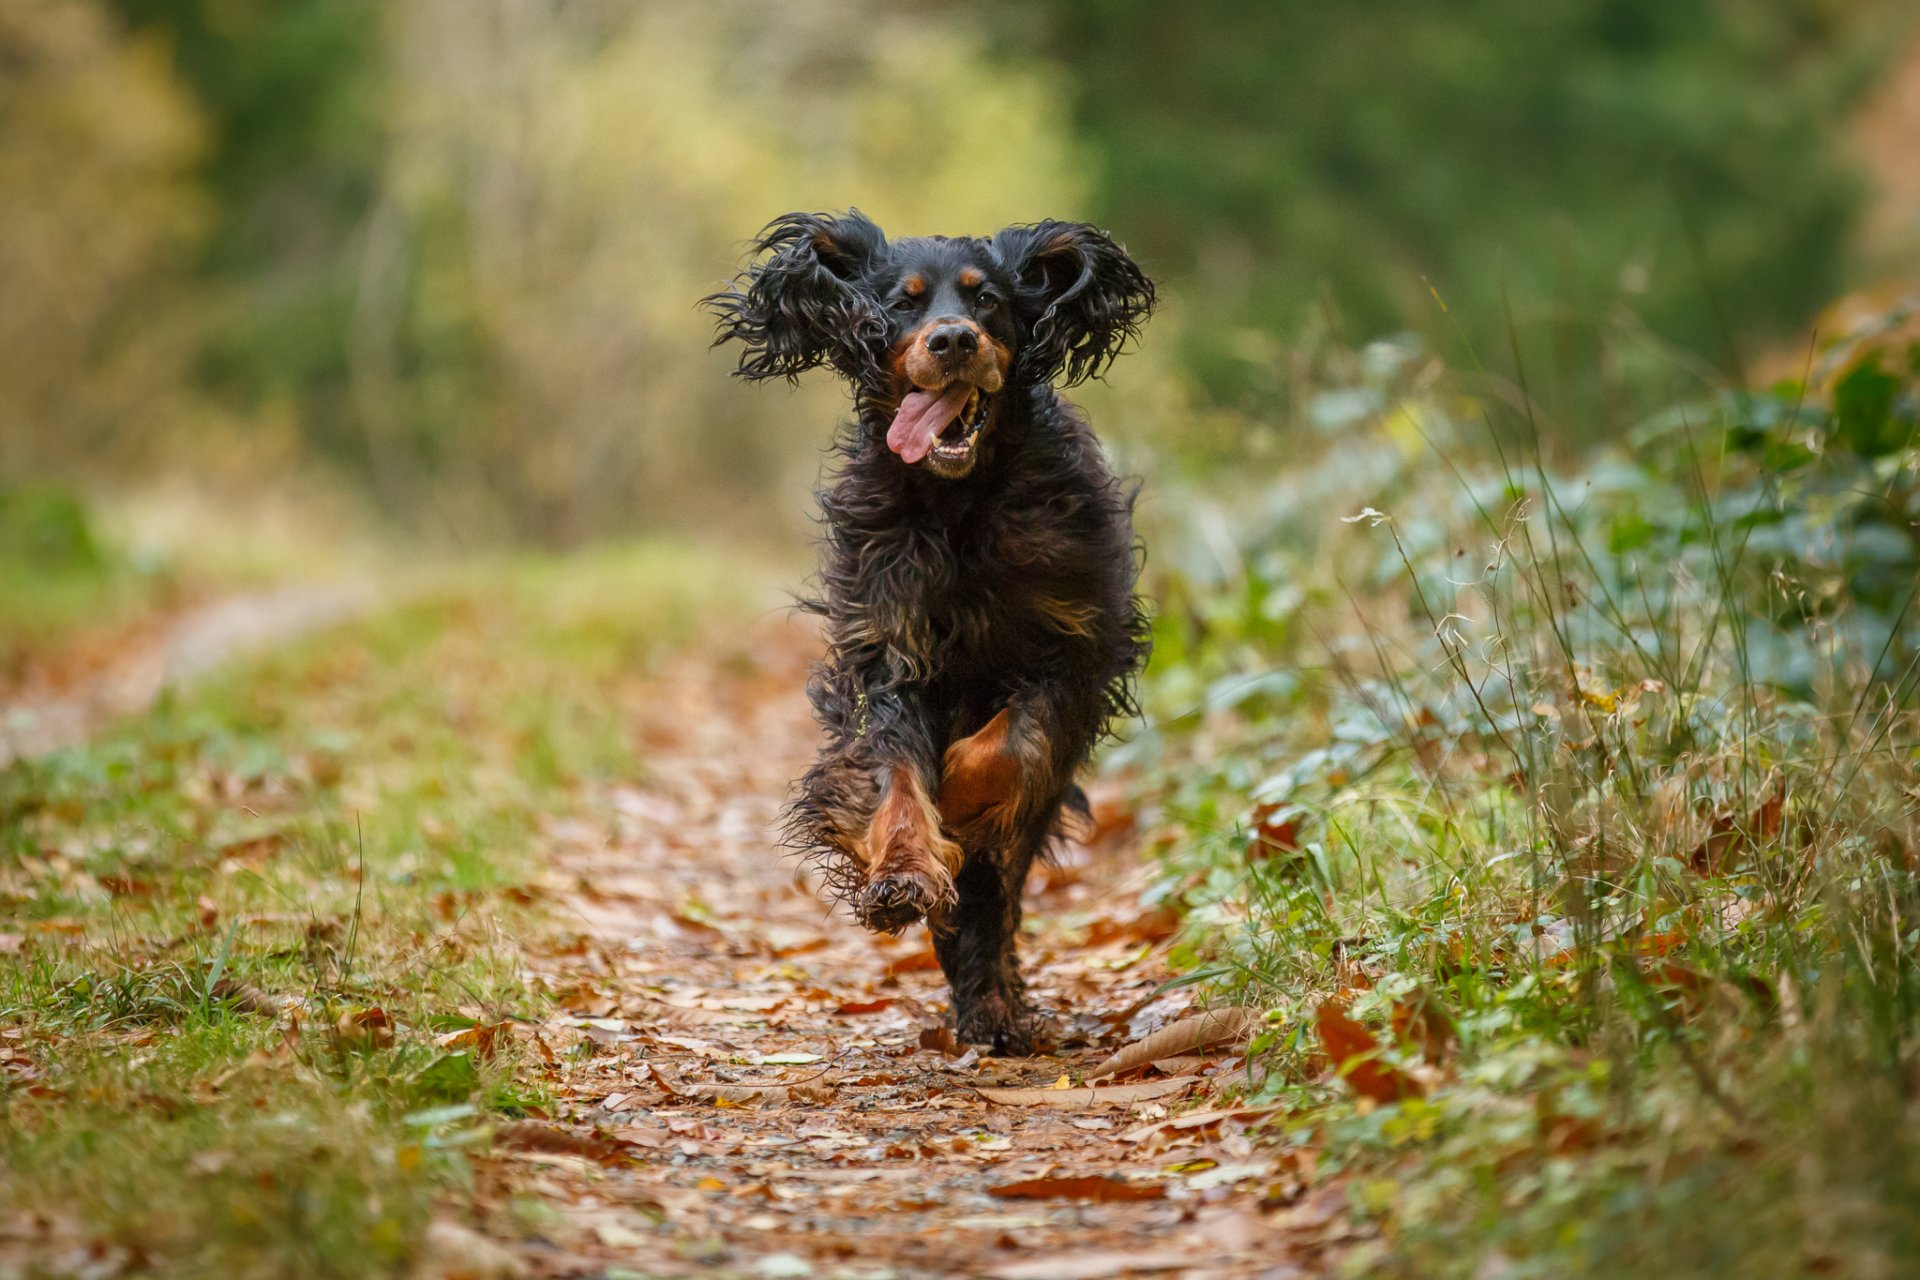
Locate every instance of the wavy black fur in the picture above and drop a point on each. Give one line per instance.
(947, 600)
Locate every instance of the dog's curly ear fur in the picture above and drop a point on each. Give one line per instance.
(799, 302)
(1080, 297)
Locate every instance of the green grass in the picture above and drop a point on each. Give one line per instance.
(203, 907)
(1611, 767)
(60, 575)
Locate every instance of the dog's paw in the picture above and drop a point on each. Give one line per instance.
(1009, 1027)
(889, 903)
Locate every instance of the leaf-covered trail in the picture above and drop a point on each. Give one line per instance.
(746, 1083)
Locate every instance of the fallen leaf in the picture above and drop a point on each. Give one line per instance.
(364, 1029)
(483, 1040)
(1198, 1120)
(854, 1008)
(1092, 1187)
(1354, 1053)
(1422, 1024)
(941, 1040)
(531, 1135)
(545, 1050)
(1729, 836)
(738, 1095)
(1095, 1265)
(1202, 1030)
(244, 998)
(615, 1236)
(660, 1078)
(450, 1251)
(1119, 1095)
(1276, 831)
(1149, 924)
(914, 962)
(122, 885)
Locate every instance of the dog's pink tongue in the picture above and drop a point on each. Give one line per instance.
(922, 417)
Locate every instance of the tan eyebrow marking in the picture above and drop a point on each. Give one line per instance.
(972, 277)
(914, 285)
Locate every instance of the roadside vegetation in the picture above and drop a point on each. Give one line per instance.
(58, 575)
(248, 938)
(1561, 814)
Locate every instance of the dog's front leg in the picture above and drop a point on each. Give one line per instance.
(999, 787)
(995, 781)
(910, 863)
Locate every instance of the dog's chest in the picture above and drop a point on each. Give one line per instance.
(1013, 586)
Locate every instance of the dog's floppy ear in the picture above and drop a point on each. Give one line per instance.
(1080, 297)
(799, 302)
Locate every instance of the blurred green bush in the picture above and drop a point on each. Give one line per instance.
(98, 198)
(461, 243)
(1604, 172)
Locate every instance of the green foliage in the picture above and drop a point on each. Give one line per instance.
(290, 94)
(459, 246)
(1595, 166)
(60, 572)
(195, 901)
(1612, 766)
(97, 161)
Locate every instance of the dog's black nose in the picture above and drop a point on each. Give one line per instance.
(953, 342)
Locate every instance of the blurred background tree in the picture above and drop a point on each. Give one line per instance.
(98, 200)
(444, 253)
(1608, 168)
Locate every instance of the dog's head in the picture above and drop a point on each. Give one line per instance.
(933, 332)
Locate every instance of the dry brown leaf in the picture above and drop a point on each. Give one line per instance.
(483, 1039)
(1354, 1053)
(660, 1078)
(1197, 1120)
(1729, 836)
(451, 1251)
(738, 1095)
(1202, 1030)
(1091, 1187)
(1092, 1265)
(913, 962)
(530, 1135)
(365, 1028)
(1421, 1023)
(1276, 831)
(1119, 1095)
(941, 1040)
(245, 997)
(1148, 924)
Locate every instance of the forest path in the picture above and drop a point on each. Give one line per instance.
(746, 1083)
(124, 671)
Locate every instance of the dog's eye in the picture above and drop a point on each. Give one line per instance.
(987, 299)
(904, 302)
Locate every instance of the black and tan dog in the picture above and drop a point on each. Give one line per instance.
(979, 566)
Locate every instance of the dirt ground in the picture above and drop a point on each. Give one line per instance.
(776, 1084)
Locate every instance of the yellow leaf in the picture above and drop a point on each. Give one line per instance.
(1062, 1083)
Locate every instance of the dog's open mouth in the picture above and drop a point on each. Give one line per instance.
(942, 427)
